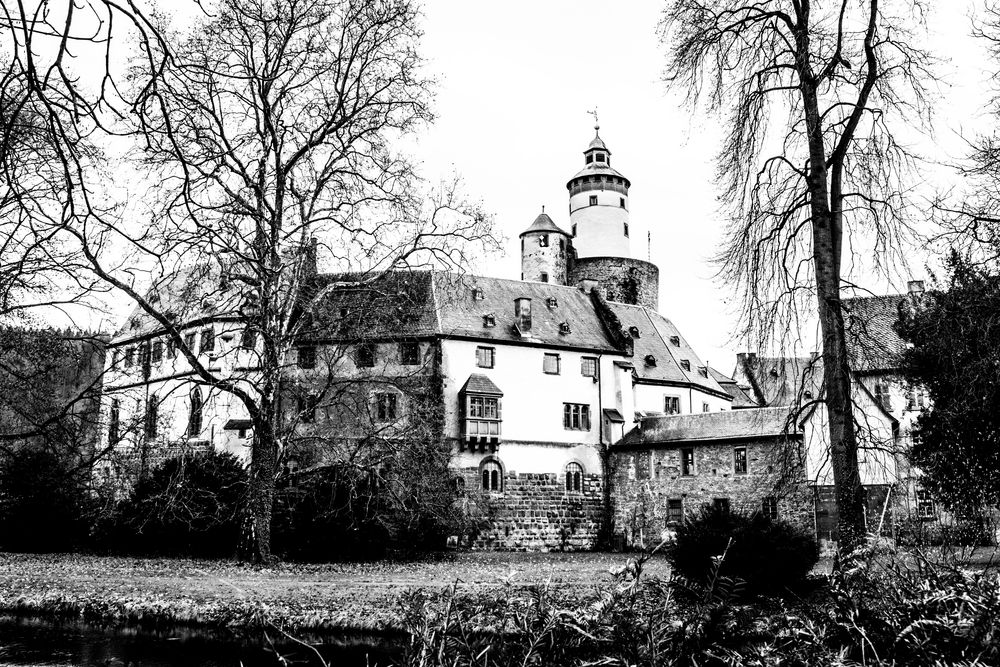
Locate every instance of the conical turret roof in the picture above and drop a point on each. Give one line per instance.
(543, 223)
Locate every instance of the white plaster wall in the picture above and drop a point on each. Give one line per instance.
(533, 438)
(876, 463)
(649, 397)
(600, 229)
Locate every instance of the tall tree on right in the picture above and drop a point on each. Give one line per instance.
(810, 167)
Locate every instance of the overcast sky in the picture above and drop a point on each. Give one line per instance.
(516, 81)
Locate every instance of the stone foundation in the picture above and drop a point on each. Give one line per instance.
(534, 512)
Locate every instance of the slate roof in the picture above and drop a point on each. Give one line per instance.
(480, 384)
(777, 381)
(741, 397)
(543, 223)
(598, 169)
(396, 304)
(655, 332)
(872, 343)
(710, 426)
(597, 142)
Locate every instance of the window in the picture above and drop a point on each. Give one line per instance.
(152, 416)
(248, 339)
(590, 159)
(882, 395)
(157, 351)
(721, 506)
(675, 341)
(588, 367)
(634, 332)
(576, 416)
(574, 229)
(484, 407)
(687, 462)
(129, 356)
(171, 351)
(625, 225)
(409, 353)
(194, 418)
(686, 364)
(544, 277)
(485, 357)
(190, 340)
(703, 371)
(366, 355)
(543, 240)
(477, 294)
(489, 319)
(621, 202)
(492, 475)
(672, 405)
(740, 460)
(914, 399)
(705, 407)
(550, 364)
(207, 340)
(564, 328)
(600, 157)
(307, 408)
(551, 302)
(574, 477)
(593, 200)
(769, 507)
(307, 356)
(675, 511)
(114, 421)
(925, 504)
(482, 417)
(386, 406)
(144, 357)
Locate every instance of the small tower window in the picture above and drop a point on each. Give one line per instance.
(600, 157)
(543, 240)
(574, 229)
(626, 228)
(590, 158)
(593, 200)
(544, 277)
(621, 202)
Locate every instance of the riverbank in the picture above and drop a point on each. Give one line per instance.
(332, 597)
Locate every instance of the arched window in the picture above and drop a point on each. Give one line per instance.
(194, 419)
(492, 475)
(574, 476)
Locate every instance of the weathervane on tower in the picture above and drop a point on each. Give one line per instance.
(593, 113)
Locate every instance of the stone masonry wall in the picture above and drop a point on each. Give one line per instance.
(534, 513)
(622, 279)
(646, 479)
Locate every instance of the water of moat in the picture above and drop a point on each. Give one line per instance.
(37, 642)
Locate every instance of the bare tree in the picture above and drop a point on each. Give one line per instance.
(811, 167)
(269, 129)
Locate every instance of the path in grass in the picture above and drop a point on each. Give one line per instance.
(326, 596)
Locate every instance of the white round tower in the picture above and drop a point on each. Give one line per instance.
(598, 205)
(545, 250)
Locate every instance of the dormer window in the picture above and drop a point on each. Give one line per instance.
(564, 328)
(703, 371)
(685, 364)
(551, 302)
(489, 320)
(675, 341)
(522, 314)
(650, 360)
(477, 294)
(634, 332)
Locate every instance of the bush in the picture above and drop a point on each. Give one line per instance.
(42, 503)
(188, 505)
(767, 555)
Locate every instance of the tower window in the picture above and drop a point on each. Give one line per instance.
(593, 200)
(600, 157)
(574, 229)
(621, 202)
(626, 228)
(544, 277)
(590, 158)
(543, 240)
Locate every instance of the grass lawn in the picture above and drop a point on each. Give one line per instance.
(361, 596)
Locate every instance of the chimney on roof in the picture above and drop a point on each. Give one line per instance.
(522, 314)
(915, 287)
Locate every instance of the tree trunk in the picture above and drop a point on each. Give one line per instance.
(255, 540)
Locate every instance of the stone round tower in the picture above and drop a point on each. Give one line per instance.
(545, 249)
(599, 213)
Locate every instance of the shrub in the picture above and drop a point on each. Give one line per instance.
(42, 503)
(188, 505)
(767, 555)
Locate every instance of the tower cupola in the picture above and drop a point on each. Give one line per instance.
(598, 204)
(545, 249)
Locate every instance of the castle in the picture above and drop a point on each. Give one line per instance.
(569, 402)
